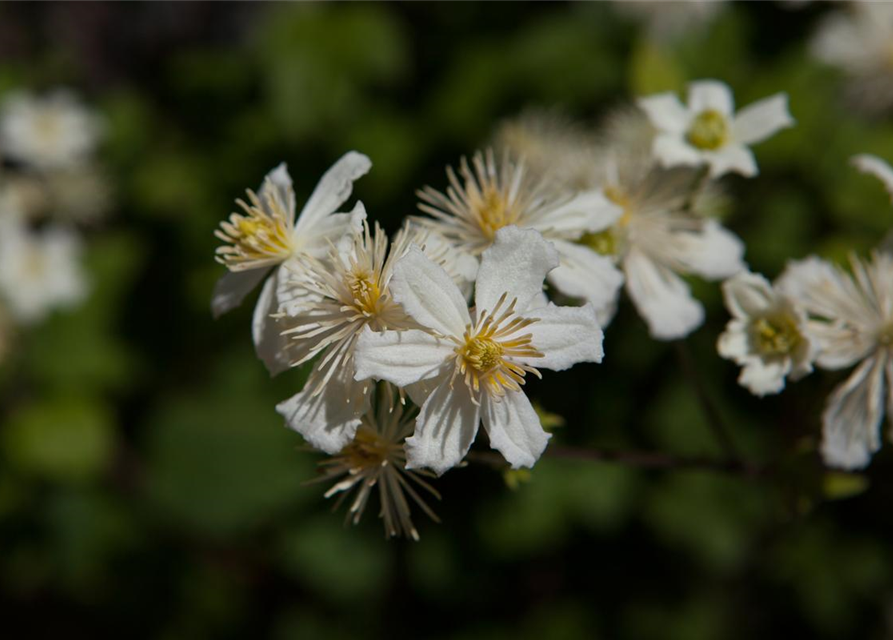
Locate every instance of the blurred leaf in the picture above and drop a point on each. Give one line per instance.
(839, 486)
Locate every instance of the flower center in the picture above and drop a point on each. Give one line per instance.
(262, 237)
(885, 337)
(709, 130)
(368, 449)
(603, 242)
(485, 357)
(776, 336)
(494, 211)
(365, 290)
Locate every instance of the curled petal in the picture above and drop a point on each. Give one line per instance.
(514, 429)
(332, 190)
(763, 118)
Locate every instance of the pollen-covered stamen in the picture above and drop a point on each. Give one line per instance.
(776, 336)
(261, 237)
(709, 130)
(484, 355)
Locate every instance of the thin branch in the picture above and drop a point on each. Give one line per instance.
(711, 412)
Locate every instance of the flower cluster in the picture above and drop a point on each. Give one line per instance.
(415, 341)
(49, 184)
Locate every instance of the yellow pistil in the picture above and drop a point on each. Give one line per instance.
(709, 130)
(776, 336)
(484, 356)
(493, 211)
(367, 451)
(366, 292)
(607, 241)
(262, 237)
(603, 242)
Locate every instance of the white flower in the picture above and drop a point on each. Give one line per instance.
(496, 195)
(767, 335)
(375, 458)
(52, 132)
(876, 167)
(708, 131)
(325, 305)
(39, 271)
(668, 21)
(270, 234)
(860, 41)
(657, 239)
(468, 367)
(852, 319)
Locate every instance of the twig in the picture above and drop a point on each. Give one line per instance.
(711, 413)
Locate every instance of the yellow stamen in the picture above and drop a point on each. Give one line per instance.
(709, 130)
(493, 211)
(260, 238)
(776, 336)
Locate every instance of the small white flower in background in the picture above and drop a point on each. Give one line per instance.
(269, 233)
(375, 458)
(851, 317)
(52, 132)
(859, 40)
(39, 271)
(495, 195)
(465, 367)
(668, 21)
(708, 131)
(325, 305)
(876, 167)
(767, 335)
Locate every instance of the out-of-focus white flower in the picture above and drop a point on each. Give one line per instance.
(708, 131)
(81, 195)
(496, 195)
(269, 235)
(375, 458)
(465, 367)
(667, 21)
(851, 317)
(876, 167)
(39, 271)
(767, 334)
(52, 132)
(860, 41)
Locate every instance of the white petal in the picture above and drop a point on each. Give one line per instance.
(672, 150)
(712, 95)
(269, 343)
(662, 298)
(589, 211)
(565, 336)
(747, 294)
(335, 230)
(733, 343)
(333, 190)
(278, 184)
(763, 377)
(232, 288)
(400, 357)
(713, 253)
(445, 428)
(428, 294)
(329, 420)
(852, 418)
(733, 158)
(584, 273)
(514, 428)
(665, 112)
(515, 264)
(876, 167)
(763, 118)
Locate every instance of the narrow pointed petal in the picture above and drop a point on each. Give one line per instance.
(401, 357)
(762, 119)
(589, 211)
(269, 343)
(662, 298)
(734, 158)
(514, 429)
(232, 287)
(445, 429)
(278, 183)
(336, 229)
(876, 167)
(515, 264)
(333, 190)
(428, 294)
(852, 417)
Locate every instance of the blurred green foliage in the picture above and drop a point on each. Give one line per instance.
(147, 485)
